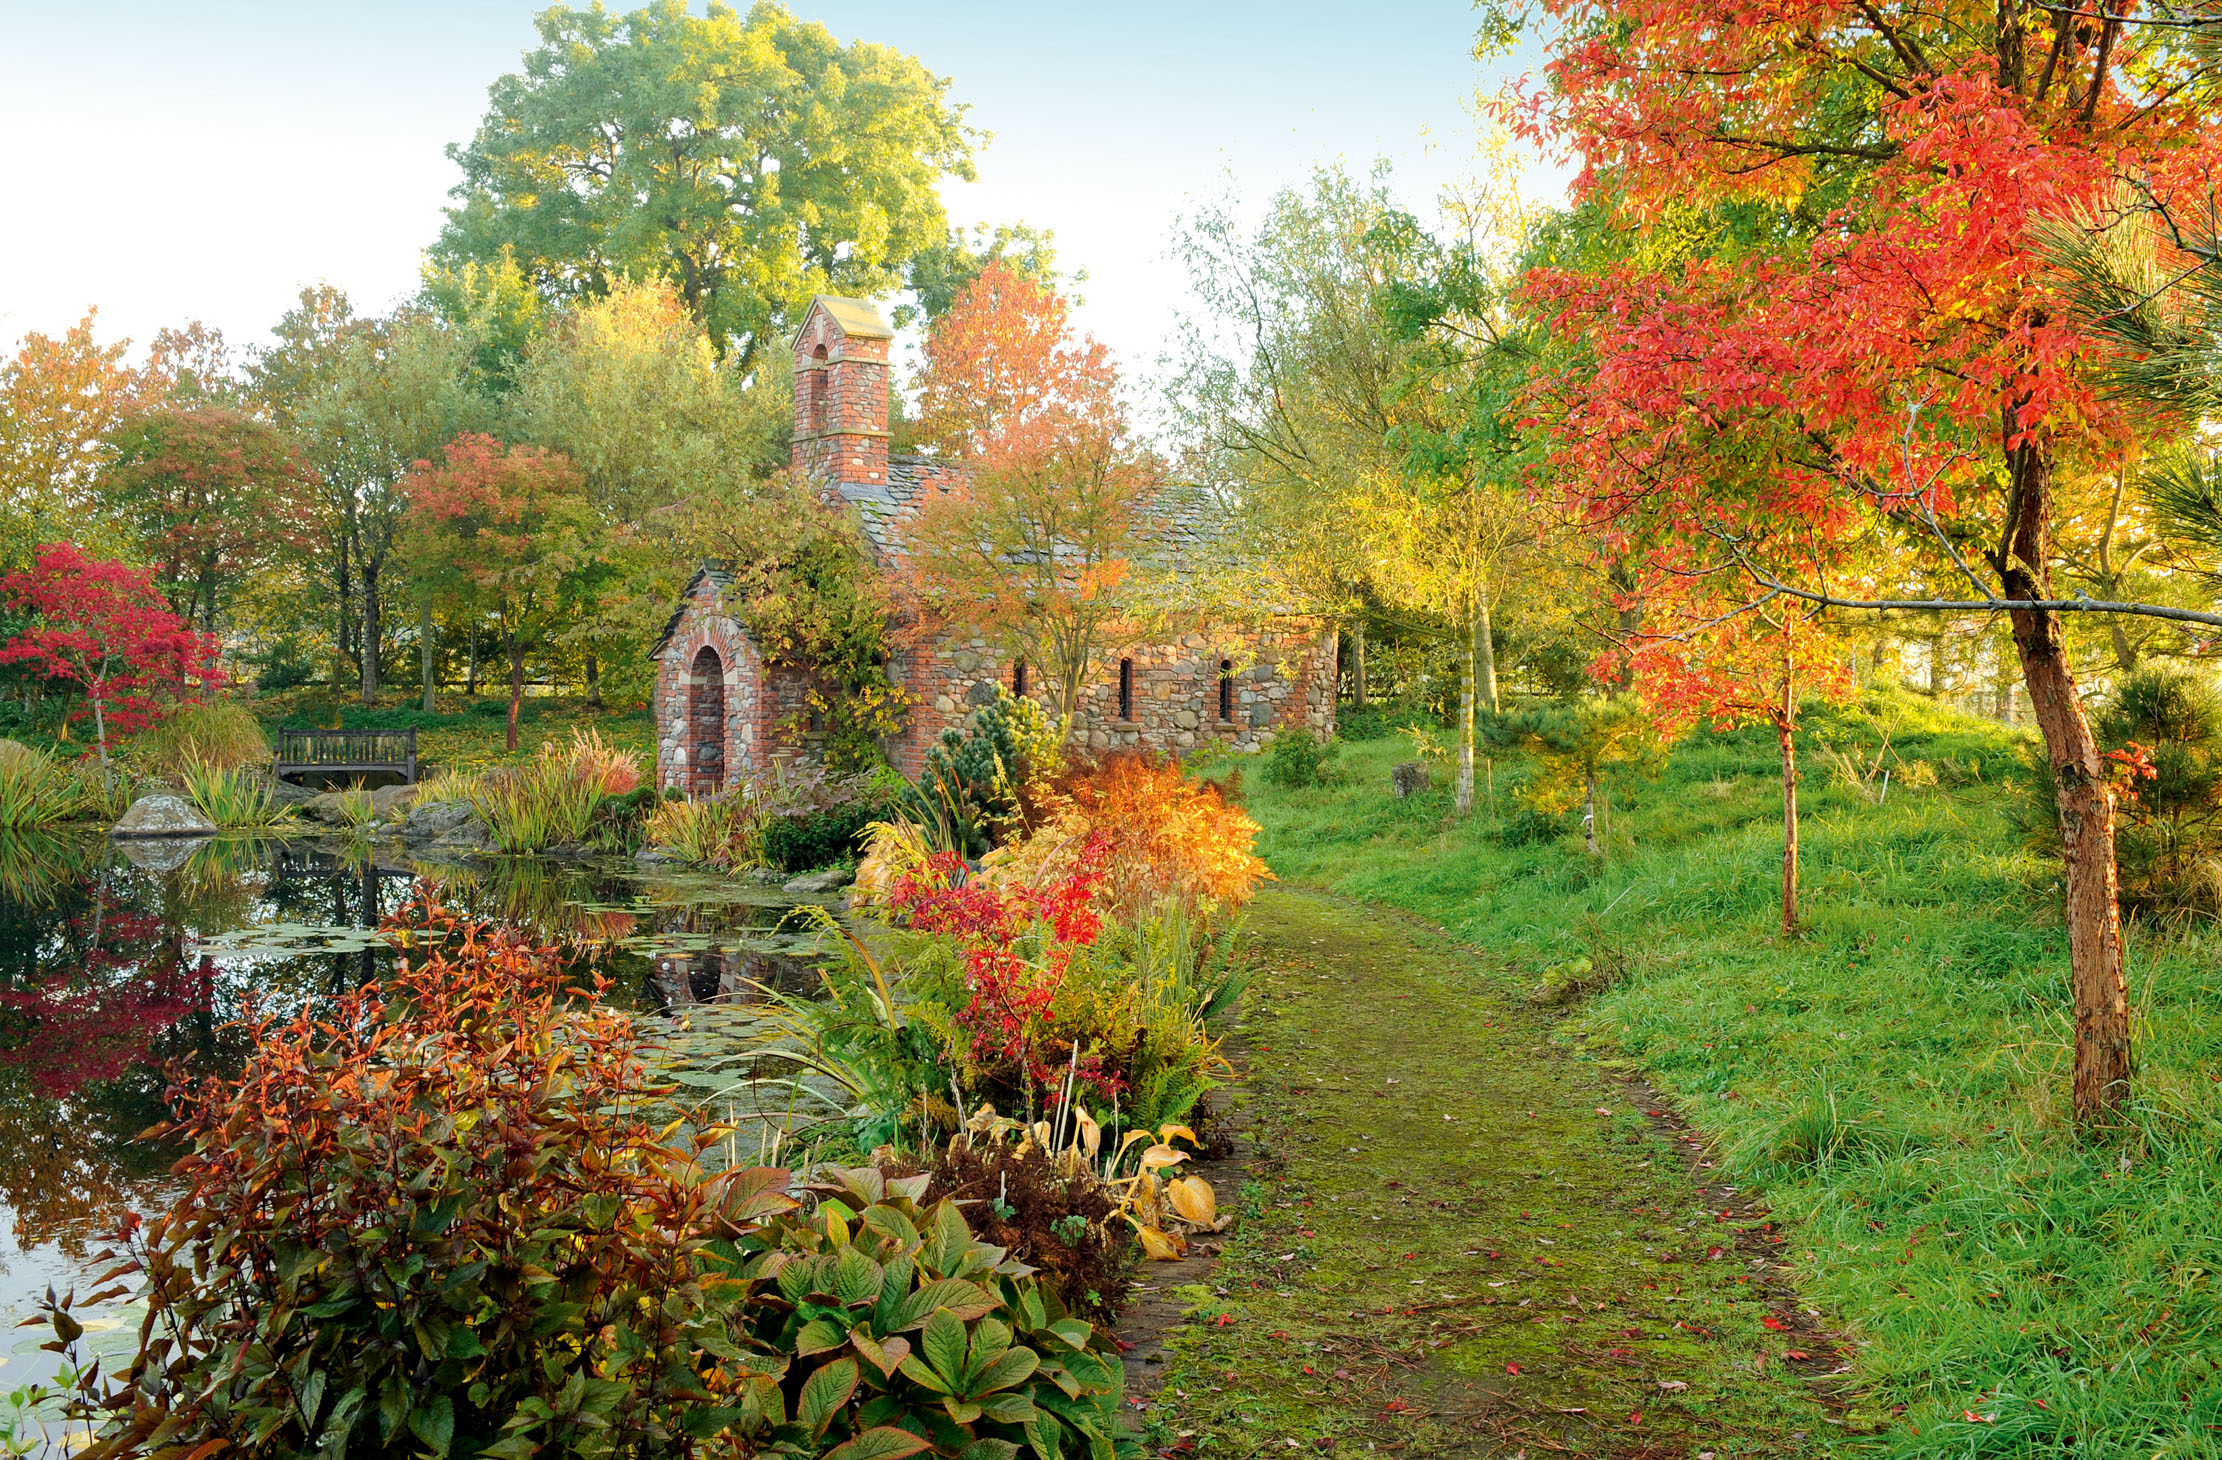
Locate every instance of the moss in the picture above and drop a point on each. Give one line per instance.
(1440, 1204)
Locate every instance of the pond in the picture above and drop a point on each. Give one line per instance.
(121, 963)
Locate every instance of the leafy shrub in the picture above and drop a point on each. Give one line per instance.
(223, 735)
(976, 786)
(284, 664)
(815, 820)
(1062, 1222)
(817, 838)
(1162, 836)
(1297, 758)
(438, 1221)
(621, 822)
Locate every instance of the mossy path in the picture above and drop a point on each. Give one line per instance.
(1460, 1239)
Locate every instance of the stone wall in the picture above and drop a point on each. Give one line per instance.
(704, 623)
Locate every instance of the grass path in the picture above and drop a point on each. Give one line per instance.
(1460, 1239)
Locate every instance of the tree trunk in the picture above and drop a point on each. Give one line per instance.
(516, 683)
(345, 638)
(470, 672)
(1785, 736)
(1485, 651)
(2102, 1045)
(1358, 662)
(425, 653)
(593, 683)
(1463, 799)
(2125, 653)
(1589, 814)
(374, 634)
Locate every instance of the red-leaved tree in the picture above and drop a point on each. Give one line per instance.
(103, 628)
(1869, 298)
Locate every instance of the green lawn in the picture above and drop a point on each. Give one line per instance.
(1895, 1078)
(468, 732)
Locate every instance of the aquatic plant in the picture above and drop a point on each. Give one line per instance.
(37, 788)
(233, 796)
(724, 831)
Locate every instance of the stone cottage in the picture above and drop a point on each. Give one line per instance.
(722, 712)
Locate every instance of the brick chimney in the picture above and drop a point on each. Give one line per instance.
(841, 392)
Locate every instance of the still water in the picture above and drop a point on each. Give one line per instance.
(123, 965)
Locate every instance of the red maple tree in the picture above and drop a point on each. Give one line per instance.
(1870, 298)
(102, 627)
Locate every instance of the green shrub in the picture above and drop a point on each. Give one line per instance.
(818, 838)
(284, 664)
(974, 786)
(1297, 758)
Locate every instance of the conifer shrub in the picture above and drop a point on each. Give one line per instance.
(977, 787)
(447, 1219)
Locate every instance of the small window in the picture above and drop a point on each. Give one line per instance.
(1226, 689)
(1018, 678)
(1126, 689)
(819, 395)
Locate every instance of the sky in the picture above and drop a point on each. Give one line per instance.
(206, 160)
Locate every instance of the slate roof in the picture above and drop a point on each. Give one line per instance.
(712, 573)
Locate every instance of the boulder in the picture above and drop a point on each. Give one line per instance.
(324, 807)
(571, 852)
(286, 793)
(388, 799)
(1408, 778)
(161, 855)
(465, 836)
(163, 814)
(431, 822)
(828, 879)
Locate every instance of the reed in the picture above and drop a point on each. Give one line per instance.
(717, 831)
(232, 796)
(36, 789)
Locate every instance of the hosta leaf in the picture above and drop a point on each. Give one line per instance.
(823, 1394)
(1010, 1409)
(951, 1239)
(819, 1335)
(1192, 1198)
(885, 1356)
(942, 1345)
(1015, 1366)
(855, 1278)
(1161, 1246)
(883, 1442)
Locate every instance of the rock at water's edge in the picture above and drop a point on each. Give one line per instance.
(429, 823)
(163, 814)
(826, 880)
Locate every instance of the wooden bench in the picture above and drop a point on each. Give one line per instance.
(347, 754)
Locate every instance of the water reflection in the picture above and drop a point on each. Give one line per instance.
(121, 962)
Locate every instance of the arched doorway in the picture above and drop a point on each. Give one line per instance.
(706, 724)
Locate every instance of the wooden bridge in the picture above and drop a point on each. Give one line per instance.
(347, 754)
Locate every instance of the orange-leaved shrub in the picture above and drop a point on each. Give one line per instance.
(1160, 836)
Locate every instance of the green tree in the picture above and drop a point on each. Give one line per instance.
(749, 161)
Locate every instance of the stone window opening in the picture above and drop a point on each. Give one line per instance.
(1018, 678)
(1126, 690)
(1226, 689)
(820, 396)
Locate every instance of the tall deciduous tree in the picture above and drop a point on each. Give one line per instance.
(504, 529)
(1886, 162)
(751, 161)
(58, 399)
(1046, 545)
(206, 495)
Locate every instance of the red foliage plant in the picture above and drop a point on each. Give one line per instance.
(437, 1219)
(1019, 941)
(103, 627)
